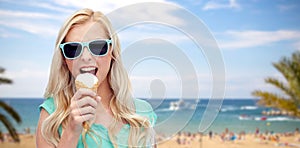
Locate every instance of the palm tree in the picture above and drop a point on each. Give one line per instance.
(290, 99)
(3, 118)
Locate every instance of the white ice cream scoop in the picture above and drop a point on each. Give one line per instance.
(89, 81)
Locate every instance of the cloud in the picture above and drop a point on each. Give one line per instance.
(297, 45)
(25, 14)
(6, 34)
(283, 8)
(35, 5)
(42, 24)
(241, 86)
(137, 33)
(132, 13)
(103, 6)
(42, 29)
(29, 77)
(52, 7)
(157, 13)
(47, 22)
(253, 38)
(237, 86)
(27, 82)
(211, 5)
(28, 73)
(143, 85)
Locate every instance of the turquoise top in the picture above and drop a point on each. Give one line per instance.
(143, 108)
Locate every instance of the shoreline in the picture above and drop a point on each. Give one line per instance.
(229, 139)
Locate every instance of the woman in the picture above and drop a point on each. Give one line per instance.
(87, 44)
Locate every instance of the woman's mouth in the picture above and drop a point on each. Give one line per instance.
(92, 70)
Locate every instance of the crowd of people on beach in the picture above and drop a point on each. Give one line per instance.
(230, 135)
(5, 137)
(270, 136)
(186, 139)
(265, 137)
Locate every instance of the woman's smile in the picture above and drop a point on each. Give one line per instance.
(88, 69)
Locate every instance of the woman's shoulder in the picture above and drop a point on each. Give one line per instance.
(142, 105)
(144, 108)
(48, 105)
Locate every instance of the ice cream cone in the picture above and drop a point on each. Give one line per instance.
(88, 81)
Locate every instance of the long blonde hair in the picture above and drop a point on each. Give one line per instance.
(61, 88)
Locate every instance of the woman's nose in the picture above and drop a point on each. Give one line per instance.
(86, 55)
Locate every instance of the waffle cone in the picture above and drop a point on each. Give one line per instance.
(79, 84)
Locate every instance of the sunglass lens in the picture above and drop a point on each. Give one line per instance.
(98, 47)
(72, 50)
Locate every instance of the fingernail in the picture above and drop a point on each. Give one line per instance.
(99, 98)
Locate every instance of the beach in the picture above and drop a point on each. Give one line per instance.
(196, 141)
(26, 141)
(245, 141)
(235, 125)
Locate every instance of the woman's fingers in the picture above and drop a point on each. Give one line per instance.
(83, 92)
(87, 101)
(84, 111)
(82, 108)
(83, 118)
(84, 97)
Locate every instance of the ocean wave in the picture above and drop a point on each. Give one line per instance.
(164, 110)
(229, 108)
(233, 108)
(265, 118)
(246, 118)
(249, 107)
(282, 119)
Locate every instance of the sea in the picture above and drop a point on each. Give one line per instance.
(188, 115)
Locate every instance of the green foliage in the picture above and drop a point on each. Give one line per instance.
(10, 111)
(289, 100)
(4, 80)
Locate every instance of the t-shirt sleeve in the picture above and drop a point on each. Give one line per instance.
(48, 105)
(143, 108)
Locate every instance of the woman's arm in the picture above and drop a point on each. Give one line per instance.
(81, 110)
(40, 141)
(67, 139)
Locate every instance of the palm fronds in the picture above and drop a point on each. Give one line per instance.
(4, 80)
(10, 111)
(10, 128)
(290, 99)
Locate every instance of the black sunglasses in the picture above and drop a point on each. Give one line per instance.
(72, 50)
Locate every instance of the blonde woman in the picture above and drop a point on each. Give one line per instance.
(119, 120)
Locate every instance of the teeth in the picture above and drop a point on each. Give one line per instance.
(88, 69)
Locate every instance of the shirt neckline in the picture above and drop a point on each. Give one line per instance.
(123, 128)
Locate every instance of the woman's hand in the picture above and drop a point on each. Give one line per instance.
(82, 109)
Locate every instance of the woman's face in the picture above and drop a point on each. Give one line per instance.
(86, 62)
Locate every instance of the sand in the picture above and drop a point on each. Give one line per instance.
(27, 141)
(248, 141)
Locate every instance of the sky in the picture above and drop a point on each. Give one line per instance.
(250, 35)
